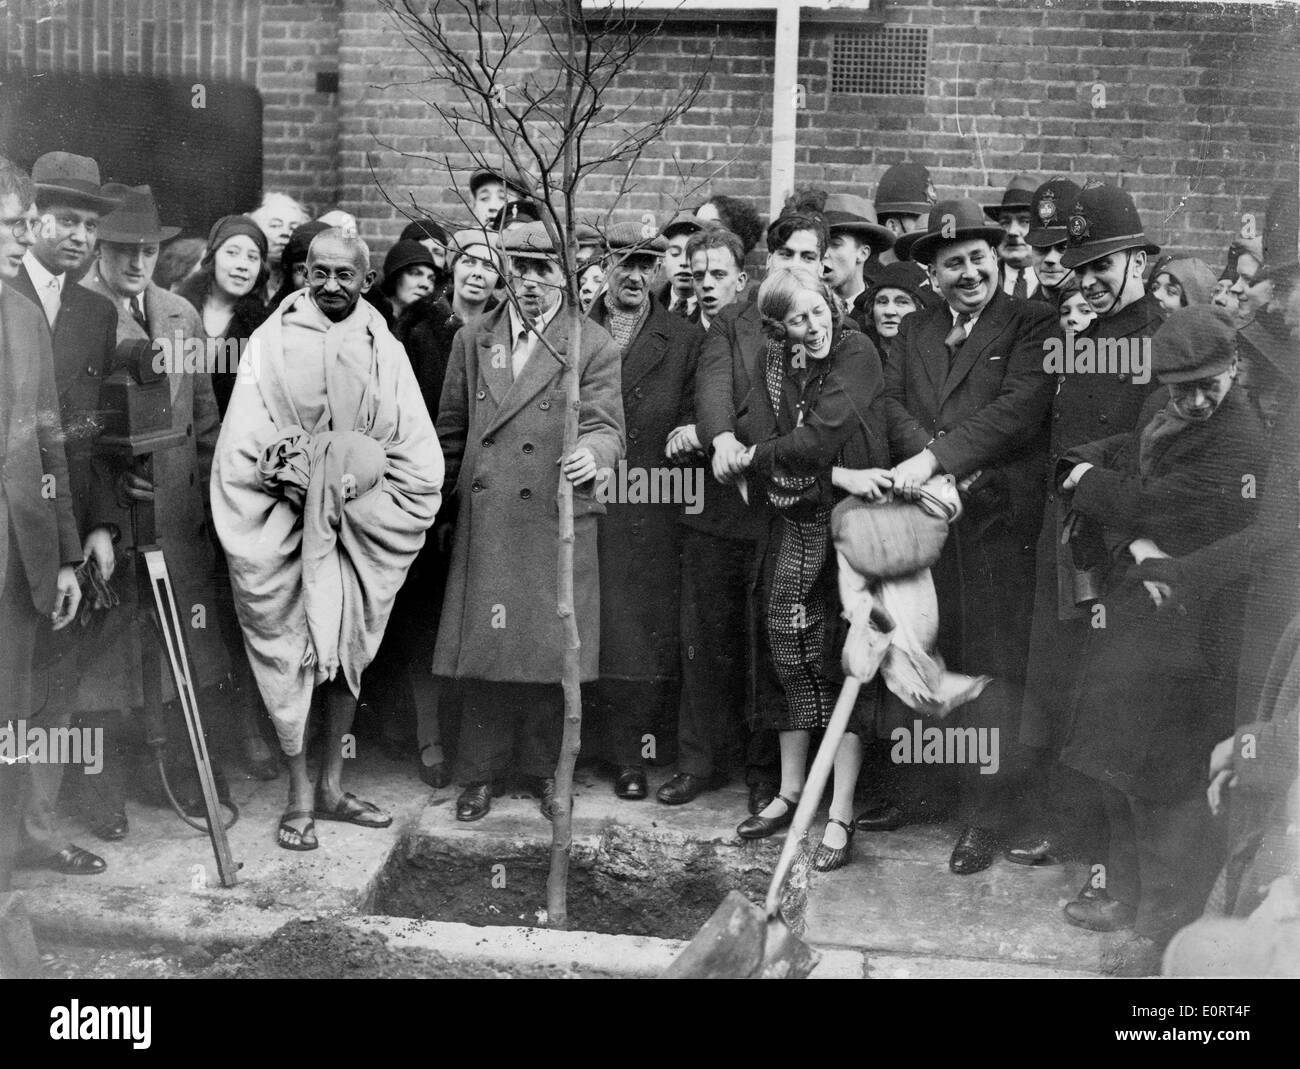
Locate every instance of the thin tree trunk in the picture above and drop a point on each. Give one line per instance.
(557, 880)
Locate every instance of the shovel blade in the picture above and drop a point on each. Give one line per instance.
(738, 942)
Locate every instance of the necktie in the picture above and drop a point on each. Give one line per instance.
(683, 307)
(137, 313)
(1021, 289)
(50, 300)
(957, 335)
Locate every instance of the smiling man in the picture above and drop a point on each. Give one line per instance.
(326, 477)
(639, 544)
(966, 395)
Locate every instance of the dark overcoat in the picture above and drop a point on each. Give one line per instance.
(182, 516)
(1156, 687)
(640, 544)
(985, 413)
(502, 439)
(39, 525)
(1085, 407)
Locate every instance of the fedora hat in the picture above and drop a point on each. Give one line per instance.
(1101, 221)
(135, 221)
(1047, 208)
(1015, 198)
(856, 216)
(951, 221)
(67, 176)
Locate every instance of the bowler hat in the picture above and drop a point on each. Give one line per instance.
(631, 237)
(1015, 198)
(1193, 343)
(1102, 220)
(135, 221)
(856, 215)
(64, 176)
(401, 256)
(905, 189)
(529, 241)
(952, 221)
(1047, 208)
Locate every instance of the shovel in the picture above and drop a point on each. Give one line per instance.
(740, 940)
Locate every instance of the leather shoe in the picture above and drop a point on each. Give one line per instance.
(74, 861)
(974, 850)
(757, 827)
(885, 816)
(760, 797)
(1099, 915)
(111, 828)
(684, 787)
(546, 797)
(474, 802)
(630, 784)
(1033, 851)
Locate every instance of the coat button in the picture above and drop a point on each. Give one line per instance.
(91, 370)
(633, 434)
(487, 442)
(481, 394)
(636, 392)
(476, 486)
(1103, 418)
(544, 406)
(525, 493)
(528, 447)
(940, 434)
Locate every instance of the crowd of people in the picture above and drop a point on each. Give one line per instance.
(361, 498)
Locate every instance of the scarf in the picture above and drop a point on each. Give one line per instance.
(625, 326)
(1166, 423)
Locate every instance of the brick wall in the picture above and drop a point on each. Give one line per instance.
(1200, 115)
(278, 48)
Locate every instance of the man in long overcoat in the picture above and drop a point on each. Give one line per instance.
(1109, 255)
(966, 394)
(1156, 688)
(639, 541)
(501, 425)
(39, 547)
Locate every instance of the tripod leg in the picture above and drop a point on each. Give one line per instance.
(174, 641)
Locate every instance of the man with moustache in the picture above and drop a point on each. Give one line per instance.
(326, 477)
(966, 395)
(1014, 216)
(638, 544)
(1107, 250)
(39, 546)
(1047, 237)
(82, 331)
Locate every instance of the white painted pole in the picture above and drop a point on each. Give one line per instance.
(785, 99)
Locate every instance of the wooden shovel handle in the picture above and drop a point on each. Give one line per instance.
(812, 791)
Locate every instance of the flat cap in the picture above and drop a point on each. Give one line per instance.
(1193, 343)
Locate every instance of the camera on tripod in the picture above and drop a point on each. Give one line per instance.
(136, 402)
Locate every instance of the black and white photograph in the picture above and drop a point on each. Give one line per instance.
(632, 489)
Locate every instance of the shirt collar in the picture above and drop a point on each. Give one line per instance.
(40, 277)
(517, 323)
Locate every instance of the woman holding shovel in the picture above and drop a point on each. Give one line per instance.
(816, 433)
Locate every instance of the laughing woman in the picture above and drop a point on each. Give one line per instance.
(816, 432)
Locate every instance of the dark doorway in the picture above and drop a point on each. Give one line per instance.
(202, 162)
